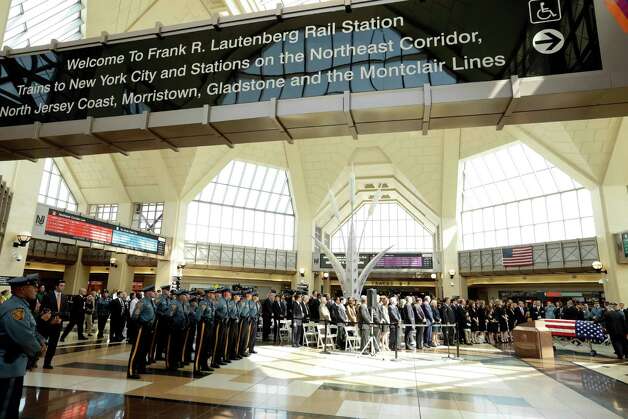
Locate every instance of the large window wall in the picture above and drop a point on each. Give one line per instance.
(53, 190)
(514, 196)
(105, 212)
(390, 225)
(148, 216)
(245, 204)
(36, 22)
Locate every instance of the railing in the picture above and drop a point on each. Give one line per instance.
(47, 251)
(559, 256)
(212, 254)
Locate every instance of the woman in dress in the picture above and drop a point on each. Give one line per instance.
(481, 309)
(502, 318)
(510, 312)
(492, 323)
(473, 317)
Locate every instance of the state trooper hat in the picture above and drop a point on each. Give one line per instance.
(21, 281)
(148, 288)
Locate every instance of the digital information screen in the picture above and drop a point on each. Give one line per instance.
(72, 226)
(389, 261)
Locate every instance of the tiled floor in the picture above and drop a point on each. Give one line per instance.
(89, 381)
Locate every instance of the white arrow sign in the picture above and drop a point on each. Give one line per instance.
(548, 41)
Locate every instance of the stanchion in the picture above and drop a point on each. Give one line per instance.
(396, 328)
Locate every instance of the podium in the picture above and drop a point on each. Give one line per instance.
(533, 340)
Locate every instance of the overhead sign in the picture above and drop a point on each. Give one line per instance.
(371, 46)
(389, 261)
(59, 223)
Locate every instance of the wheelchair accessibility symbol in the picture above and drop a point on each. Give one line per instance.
(542, 11)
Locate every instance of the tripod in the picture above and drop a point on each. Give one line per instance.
(371, 345)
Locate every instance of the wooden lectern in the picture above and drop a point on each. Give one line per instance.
(533, 340)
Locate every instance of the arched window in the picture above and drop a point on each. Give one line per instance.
(53, 190)
(514, 196)
(390, 225)
(245, 204)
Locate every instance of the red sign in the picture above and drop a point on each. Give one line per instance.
(77, 229)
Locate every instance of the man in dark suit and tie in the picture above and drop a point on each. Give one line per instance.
(448, 317)
(267, 315)
(118, 313)
(429, 321)
(395, 319)
(277, 317)
(54, 304)
(297, 321)
(77, 316)
(521, 313)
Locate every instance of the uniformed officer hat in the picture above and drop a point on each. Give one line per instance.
(165, 287)
(254, 294)
(148, 288)
(227, 290)
(238, 293)
(209, 290)
(21, 281)
(273, 291)
(248, 291)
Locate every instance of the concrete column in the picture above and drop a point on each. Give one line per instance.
(76, 276)
(449, 215)
(24, 179)
(610, 209)
(173, 227)
(120, 277)
(304, 222)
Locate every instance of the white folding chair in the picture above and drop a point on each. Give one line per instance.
(352, 339)
(285, 331)
(324, 338)
(310, 333)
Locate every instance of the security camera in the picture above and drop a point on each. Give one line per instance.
(18, 258)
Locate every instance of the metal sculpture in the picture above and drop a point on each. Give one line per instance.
(351, 279)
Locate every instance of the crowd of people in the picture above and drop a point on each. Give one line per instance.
(417, 322)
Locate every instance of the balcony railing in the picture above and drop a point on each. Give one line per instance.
(559, 256)
(228, 256)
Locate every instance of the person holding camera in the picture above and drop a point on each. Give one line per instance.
(20, 344)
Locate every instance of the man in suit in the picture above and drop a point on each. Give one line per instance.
(313, 304)
(77, 316)
(410, 321)
(429, 321)
(420, 321)
(54, 304)
(103, 311)
(448, 317)
(395, 319)
(277, 317)
(267, 314)
(364, 319)
(520, 313)
(118, 314)
(297, 321)
(614, 321)
(461, 319)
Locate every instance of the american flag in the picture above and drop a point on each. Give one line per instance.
(579, 329)
(517, 256)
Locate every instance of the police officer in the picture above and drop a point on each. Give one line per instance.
(144, 316)
(204, 320)
(245, 324)
(178, 324)
(255, 309)
(103, 310)
(190, 332)
(20, 344)
(234, 326)
(160, 337)
(221, 320)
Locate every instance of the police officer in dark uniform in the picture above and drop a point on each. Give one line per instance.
(144, 316)
(178, 324)
(20, 344)
(190, 331)
(160, 337)
(243, 327)
(103, 311)
(221, 319)
(234, 326)
(204, 319)
(254, 313)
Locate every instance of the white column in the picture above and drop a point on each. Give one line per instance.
(76, 276)
(24, 179)
(449, 215)
(304, 222)
(173, 226)
(121, 276)
(4, 14)
(610, 209)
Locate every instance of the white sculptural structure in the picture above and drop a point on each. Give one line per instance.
(351, 280)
